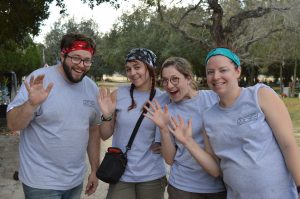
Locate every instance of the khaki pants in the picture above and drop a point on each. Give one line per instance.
(142, 190)
(175, 193)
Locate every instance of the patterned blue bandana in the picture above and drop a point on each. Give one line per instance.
(226, 53)
(142, 54)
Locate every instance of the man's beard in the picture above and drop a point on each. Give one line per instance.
(68, 73)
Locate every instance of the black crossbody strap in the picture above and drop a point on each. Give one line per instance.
(137, 126)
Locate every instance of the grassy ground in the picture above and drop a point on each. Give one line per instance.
(293, 105)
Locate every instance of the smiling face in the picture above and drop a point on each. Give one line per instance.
(222, 75)
(138, 73)
(75, 72)
(176, 84)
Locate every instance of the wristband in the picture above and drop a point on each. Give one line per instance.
(109, 118)
(298, 189)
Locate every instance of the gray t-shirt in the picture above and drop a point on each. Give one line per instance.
(186, 174)
(250, 158)
(143, 165)
(53, 146)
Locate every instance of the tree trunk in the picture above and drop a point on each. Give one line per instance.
(280, 75)
(294, 79)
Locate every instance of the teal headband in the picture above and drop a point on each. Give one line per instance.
(224, 52)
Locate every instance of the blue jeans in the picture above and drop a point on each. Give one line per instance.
(34, 193)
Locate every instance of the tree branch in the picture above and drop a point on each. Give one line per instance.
(189, 37)
(188, 11)
(235, 21)
(250, 42)
(204, 25)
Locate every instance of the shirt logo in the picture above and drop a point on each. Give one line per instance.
(89, 103)
(247, 118)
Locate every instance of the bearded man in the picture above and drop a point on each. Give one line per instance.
(57, 113)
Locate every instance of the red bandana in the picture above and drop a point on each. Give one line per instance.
(78, 45)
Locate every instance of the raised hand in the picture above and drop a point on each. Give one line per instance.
(182, 132)
(37, 94)
(159, 116)
(106, 103)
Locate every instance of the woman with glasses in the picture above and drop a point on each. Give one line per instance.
(144, 176)
(250, 133)
(187, 178)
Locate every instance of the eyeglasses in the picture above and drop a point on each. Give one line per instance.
(174, 80)
(78, 60)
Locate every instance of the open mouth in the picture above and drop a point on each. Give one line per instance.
(173, 93)
(79, 72)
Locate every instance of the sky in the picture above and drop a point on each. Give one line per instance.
(104, 14)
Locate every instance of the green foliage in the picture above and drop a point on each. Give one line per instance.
(143, 28)
(261, 40)
(18, 18)
(21, 59)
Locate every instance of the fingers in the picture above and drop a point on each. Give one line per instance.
(166, 109)
(100, 92)
(39, 79)
(190, 123)
(31, 80)
(104, 92)
(173, 122)
(148, 110)
(108, 91)
(157, 104)
(49, 87)
(172, 130)
(90, 188)
(91, 185)
(156, 148)
(27, 86)
(153, 107)
(148, 116)
(181, 122)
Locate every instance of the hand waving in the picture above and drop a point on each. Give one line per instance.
(107, 105)
(155, 113)
(182, 132)
(36, 92)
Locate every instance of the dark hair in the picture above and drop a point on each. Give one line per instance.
(68, 40)
(152, 91)
(181, 65)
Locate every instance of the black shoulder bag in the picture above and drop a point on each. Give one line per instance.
(114, 162)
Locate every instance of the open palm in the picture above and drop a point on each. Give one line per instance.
(36, 91)
(159, 116)
(182, 132)
(106, 103)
